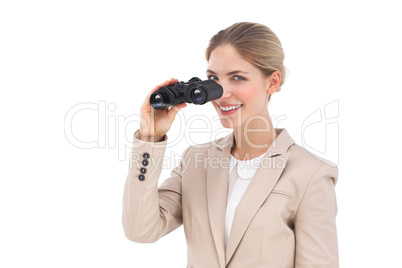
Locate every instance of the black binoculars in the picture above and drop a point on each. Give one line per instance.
(194, 91)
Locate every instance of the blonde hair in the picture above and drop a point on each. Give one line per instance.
(256, 43)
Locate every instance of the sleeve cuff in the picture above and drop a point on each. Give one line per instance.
(137, 143)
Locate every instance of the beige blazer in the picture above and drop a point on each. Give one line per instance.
(286, 217)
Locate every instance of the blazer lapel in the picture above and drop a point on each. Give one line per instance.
(262, 184)
(217, 187)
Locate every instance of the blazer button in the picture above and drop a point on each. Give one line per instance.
(145, 162)
(145, 155)
(141, 177)
(143, 170)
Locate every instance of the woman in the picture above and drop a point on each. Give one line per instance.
(251, 199)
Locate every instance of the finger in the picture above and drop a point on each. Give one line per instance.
(171, 81)
(164, 84)
(174, 80)
(181, 105)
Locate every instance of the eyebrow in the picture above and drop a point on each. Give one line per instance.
(228, 74)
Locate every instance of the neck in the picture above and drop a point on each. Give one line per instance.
(253, 140)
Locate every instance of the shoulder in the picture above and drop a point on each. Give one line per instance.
(308, 164)
(299, 153)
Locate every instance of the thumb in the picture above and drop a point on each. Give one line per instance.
(174, 110)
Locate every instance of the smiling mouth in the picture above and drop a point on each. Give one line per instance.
(229, 108)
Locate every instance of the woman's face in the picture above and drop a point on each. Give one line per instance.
(245, 88)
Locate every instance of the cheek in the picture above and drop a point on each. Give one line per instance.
(248, 95)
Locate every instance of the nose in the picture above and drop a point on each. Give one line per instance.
(227, 93)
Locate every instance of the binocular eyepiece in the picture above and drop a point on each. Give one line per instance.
(194, 91)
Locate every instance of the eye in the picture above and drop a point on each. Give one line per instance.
(213, 77)
(238, 78)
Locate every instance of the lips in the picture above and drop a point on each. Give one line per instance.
(229, 109)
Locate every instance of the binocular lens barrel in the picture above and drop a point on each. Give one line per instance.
(198, 95)
(157, 101)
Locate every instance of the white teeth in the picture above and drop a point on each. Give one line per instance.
(229, 108)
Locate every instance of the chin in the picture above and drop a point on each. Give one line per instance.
(227, 123)
(226, 120)
(227, 126)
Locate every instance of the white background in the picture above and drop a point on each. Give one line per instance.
(61, 204)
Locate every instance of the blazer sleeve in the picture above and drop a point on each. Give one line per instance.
(315, 223)
(148, 212)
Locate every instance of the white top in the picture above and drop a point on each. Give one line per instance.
(245, 171)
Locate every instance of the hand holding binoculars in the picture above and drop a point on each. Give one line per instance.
(194, 91)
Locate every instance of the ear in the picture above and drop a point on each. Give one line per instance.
(274, 81)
